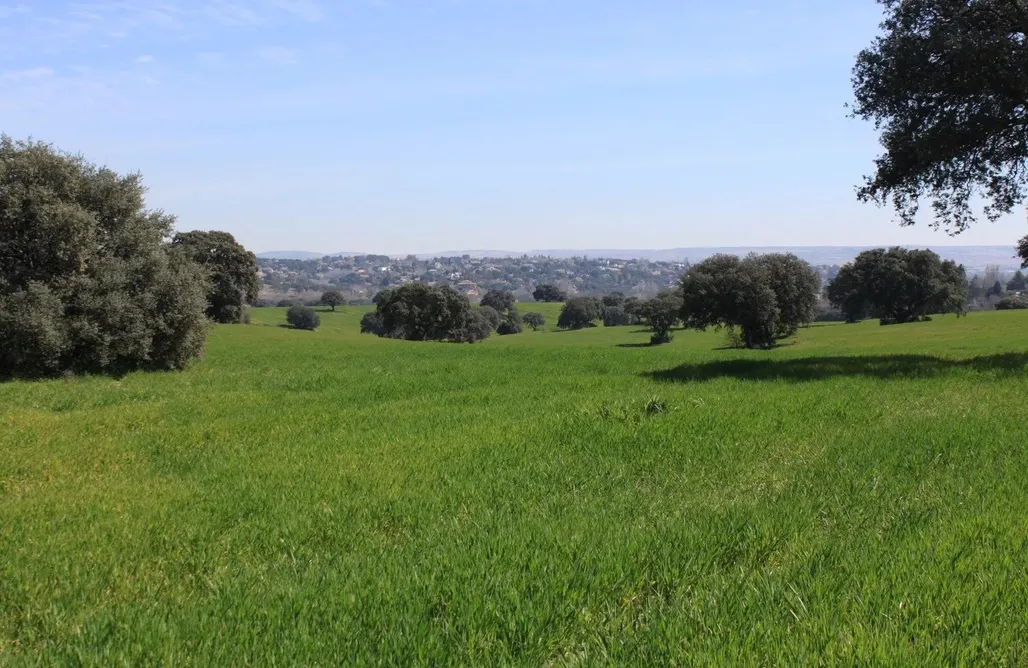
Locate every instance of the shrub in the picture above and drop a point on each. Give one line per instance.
(491, 315)
(103, 293)
(303, 317)
(1012, 302)
(511, 323)
(579, 312)
(534, 320)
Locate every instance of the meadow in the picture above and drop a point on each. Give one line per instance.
(856, 496)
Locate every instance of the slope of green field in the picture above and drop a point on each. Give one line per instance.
(858, 495)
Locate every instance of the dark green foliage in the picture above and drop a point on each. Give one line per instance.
(548, 293)
(232, 269)
(421, 312)
(1012, 302)
(899, 285)
(724, 291)
(87, 282)
(534, 320)
(995, 291)
(491, 315)
(1018, 283)
(283, 303)
(947, 85)
(616, 316)
(371, 323)
(501, 300)
(662, 313)
(511, 323)
(303, 317)
(614, 299)
(332, 299)
(579, 312)
(796, 286)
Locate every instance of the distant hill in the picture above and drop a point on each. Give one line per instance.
(290, 255)
(974, 258)
(303, 255)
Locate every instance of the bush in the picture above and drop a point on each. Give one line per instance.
(579, 312)
(534, 320)
(87, 282)
(491, 315)
(511, 323)
(303, 317)
(1012, 302)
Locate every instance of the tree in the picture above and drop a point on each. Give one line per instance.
(422, 312)
(899, 285)
(579, 312)
(511, 323)
(332, 299)
(491, 315)
(614, 299)
(662, 313)
(548, 293)
(534, 320)
(233, 272)
(371, 323)
(501, 300)
(947, 85)
(303, 317)
(995, 291)
(724, 291)
(1018, 283)
(617, 316)
(1012, 302)
(87, 282)
(796, 286)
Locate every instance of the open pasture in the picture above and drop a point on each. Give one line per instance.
(858, 495)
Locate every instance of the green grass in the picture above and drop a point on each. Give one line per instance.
(859, 495)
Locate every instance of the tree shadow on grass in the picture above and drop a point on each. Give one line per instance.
(807, 369)
(635, 345)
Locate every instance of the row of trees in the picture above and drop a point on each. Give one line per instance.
(91, 281)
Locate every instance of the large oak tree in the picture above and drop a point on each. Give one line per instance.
(947, 85)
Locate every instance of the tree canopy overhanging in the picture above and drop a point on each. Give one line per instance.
(946, 84)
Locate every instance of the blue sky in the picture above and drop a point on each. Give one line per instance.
(415, 126)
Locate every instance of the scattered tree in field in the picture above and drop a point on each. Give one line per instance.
(750, 295)
(899, 285)
(614, 299)
(422, 312)
(534, 320)
(579, 312)
(501, 300)
(617, 316)
(1012, 302)
(1018, 283)
(511, 323)
(87, 282)
(947, 85)
(796, 286)
(491, 315)
(332, 299)
(548, 293)
(662, 313)
(233, 272)
(303, 317)
(371, 323)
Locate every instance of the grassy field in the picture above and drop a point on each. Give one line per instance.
(857, 496)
